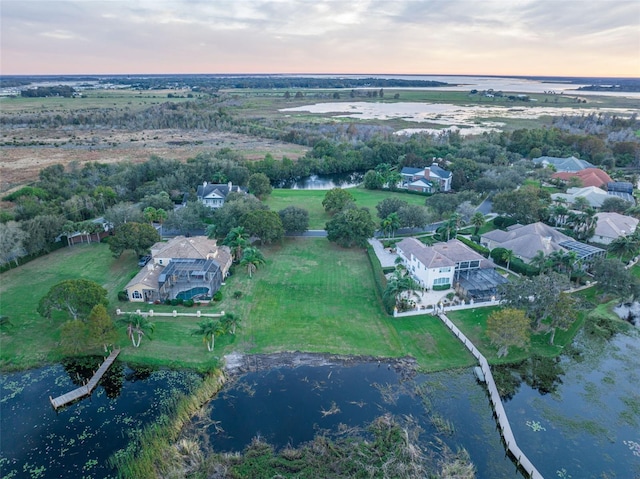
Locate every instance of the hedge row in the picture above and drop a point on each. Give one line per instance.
(25, 259)
(475, 246)
(378, 274)
(441, 287)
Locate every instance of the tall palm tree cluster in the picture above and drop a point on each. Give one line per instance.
(210, 329)
(243, 253)
(559, 261)
(401, 287)
(626, 246)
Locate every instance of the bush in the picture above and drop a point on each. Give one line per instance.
(475, 246)
(441, 287)
(237, 294)
(188, 303)
(123, 296)
(217, 296)
(503, 222)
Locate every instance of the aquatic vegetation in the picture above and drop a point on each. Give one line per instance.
(535, 426)
(633, 446)
(442, 425)
(334, 409)
(563, 474)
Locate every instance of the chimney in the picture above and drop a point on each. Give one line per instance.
(230, 186)
(204, 184)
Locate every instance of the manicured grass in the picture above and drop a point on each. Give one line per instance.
(32, 339)
(311, 200)
(473, 323)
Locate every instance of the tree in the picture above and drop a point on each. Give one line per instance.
(508, 256)
(614, 279)
(237, 239)
(122, 213)
(102, 331)
(294, 219)
(73, 336)
(398, 284)
(390, 224)
(137, 327)
(466, 210)
(189, 218)
(264, 224)
(625, 246)
(75, 296)
(373, 180)
(390, 205)
(153, 215)
(252, 258)
(12, 239)
(229, 216)
(508, 327)
(259, 185)
(525, 205)
(351, 227)
(336, 199)
(478, 221)
(136, 236)
(413, 216)
(229, 322)
(209, 329)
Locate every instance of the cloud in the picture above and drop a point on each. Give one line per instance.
(403, 36)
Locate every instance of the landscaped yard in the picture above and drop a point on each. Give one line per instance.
(311, 200)
(311, 296)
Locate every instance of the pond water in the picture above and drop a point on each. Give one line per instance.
(324, 182)
(629, 312)
(76, 442)
(289, 406)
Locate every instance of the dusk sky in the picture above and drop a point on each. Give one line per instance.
(508, 37)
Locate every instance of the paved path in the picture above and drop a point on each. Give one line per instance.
(385, 257)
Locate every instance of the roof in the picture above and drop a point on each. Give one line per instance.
(623, 186)
(625, 196)
(409, 170)
(584, 251)
(439, 172)
(588, 176)
(441, 254)
(526, 241)
(563, 164)
(422, 182)
(193, 266)
(196, 247)
(614, 225)
(216, 190)
(147, 276)
(594, 196)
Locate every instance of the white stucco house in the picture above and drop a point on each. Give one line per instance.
(214, 195)
(611, 226)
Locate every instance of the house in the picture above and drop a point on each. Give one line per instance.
(611, 226)
(526, 240)
(214, 195)
(588, 177)
(450, 265)
(570, 164)
(89, 231)
(594, 196)
(184, 268)
(426, 180)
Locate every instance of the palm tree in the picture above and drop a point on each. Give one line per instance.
(209, 329)
(237, 239)
(136, 327)
(540, 261)
(229, 322)
(508, 256)
(624, 245)
(252, 258)
(391, 223)
(478, 221)
(398, 284)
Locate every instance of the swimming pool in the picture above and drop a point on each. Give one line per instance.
(201, 290)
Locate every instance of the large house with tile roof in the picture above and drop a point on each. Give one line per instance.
(571, 164)
(450, 265)
(186, 268)
(588, 177)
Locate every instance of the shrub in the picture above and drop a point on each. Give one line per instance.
(188, 303)
(237, 294)
(441, 287)
(123, 296)
(475, 246)
(167, 302)
(217, 296)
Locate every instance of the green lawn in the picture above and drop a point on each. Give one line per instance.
(31, 339)
(310, 296)
(311, 200)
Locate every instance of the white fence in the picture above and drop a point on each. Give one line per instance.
(151, 313)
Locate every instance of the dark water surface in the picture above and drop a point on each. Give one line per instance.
(75, 442)
(324, 182)
(289, 406)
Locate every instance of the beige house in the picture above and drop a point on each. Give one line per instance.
(611, 226)
(184, 268)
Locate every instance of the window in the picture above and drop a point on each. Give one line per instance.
(445, 270)
(159, 261)
(441, 281)
(474, 264)
(136, 295)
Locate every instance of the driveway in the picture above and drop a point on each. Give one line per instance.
(385, 257)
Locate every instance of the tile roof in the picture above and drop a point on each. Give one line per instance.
(441, 254)
(563, 164)
(613, 225)
(589, 176)
(525, 241)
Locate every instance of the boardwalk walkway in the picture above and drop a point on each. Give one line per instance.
(85, 390)
(503, 421)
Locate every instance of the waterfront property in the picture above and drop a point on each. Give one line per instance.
(450, 264)
(426, 180)
(214, 195)
(185, 268)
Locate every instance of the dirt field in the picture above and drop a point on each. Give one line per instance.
(25, 152)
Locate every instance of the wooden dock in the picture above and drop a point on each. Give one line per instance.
(88, 388)
(501, 416)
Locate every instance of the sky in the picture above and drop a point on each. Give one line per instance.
(429, 37)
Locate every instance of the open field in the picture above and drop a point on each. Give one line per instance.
(311, 296)
(311, 200)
